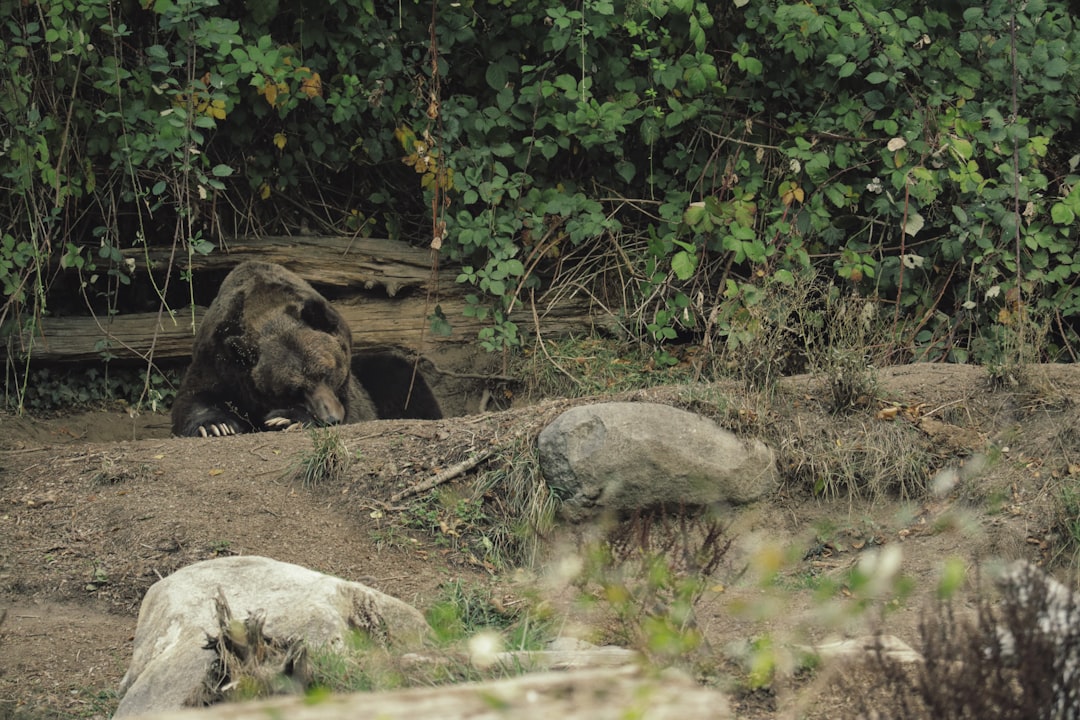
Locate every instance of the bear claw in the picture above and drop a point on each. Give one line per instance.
(217, 430)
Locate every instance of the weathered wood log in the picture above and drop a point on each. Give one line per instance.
(360, 262)
(600, 694)
(400, 323)
(396, 319)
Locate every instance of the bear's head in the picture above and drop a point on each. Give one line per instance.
(300, 359)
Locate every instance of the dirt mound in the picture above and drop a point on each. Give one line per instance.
(96, 507)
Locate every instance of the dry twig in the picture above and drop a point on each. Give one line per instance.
(448, 474)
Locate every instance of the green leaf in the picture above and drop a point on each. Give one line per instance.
(953, 574)
(753, 67)
(694, 214)
(914, 223)
(1062, 214)
(969, 76)
(222, 170)
(1056, 67)
(498, 73)
(440, 325)
(695, 81)
(876, 78)
(962, 147)
(684, 264)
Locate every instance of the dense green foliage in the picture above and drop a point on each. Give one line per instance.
(674, 157)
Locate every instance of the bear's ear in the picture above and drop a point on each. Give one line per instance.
(318, 315)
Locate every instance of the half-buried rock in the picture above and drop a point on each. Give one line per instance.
(625, 457)
(198, 623)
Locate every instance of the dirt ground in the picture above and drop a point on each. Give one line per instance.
(95, 507)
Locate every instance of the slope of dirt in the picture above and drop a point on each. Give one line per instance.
(94, 508)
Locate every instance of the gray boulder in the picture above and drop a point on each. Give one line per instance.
(631, 456)
(171, 660)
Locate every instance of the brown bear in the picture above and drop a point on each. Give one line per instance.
(271, 353)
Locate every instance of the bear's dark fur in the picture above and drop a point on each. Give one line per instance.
(270, 352)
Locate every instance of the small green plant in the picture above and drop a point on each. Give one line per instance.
(466, 610)
(499, 521)
(221, 548)
(458, 520)
(1067, 523)
(98, 579)
(1007, 347)
(391, 538)
(113, 471)
(578, 367)
(359, 666)
(327, 461)
(648, 574)
(521, 505)
(461, 614)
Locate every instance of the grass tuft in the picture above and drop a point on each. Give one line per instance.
(328, 460)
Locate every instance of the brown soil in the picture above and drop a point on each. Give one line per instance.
(96, 507)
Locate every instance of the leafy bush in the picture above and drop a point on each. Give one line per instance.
(1018, 659)
(670, 156)
(51, 389)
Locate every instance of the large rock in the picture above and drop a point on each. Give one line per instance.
(170, 660)
(632, 456)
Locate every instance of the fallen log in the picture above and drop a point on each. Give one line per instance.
(356, 267)
(327, 260)
(401, 323)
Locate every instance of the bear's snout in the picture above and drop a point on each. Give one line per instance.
(323, 403)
